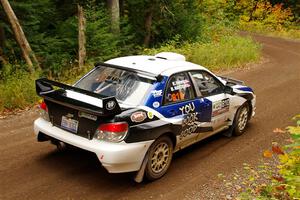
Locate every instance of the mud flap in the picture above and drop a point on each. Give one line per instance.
(140, 174)
(229, 132)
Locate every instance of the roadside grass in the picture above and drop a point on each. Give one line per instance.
(292, 32)
(225, 53)
(283, 182)
(276, 177)
(17, 89)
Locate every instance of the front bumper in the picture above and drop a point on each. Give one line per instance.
(253, 102)
(115, 157)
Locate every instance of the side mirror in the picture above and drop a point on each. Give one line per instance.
(228, 90)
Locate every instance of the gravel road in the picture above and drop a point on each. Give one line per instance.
(32, 170)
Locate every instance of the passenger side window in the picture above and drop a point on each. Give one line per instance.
(206, 83)
(179, 88)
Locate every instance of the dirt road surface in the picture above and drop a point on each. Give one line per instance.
(32, 170)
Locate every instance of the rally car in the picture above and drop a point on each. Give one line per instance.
(134, 112)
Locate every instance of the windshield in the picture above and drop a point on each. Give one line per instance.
(126, 86)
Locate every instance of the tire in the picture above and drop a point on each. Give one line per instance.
(241, 120)
(159, 158)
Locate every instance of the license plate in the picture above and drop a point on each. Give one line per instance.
(69, 124)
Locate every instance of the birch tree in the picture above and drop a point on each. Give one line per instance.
(81, 37)
(27, 52)
(114, 9)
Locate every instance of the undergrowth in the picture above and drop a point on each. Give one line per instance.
(292, 32)
(266, 18)
(283, 181)
(226, 52)
(17, 90)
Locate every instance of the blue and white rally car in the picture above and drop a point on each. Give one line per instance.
(134, 112)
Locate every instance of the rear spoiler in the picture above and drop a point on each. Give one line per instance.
(45, 89)
(232, 81)
(150, 75)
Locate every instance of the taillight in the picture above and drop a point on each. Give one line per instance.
(112, 132)
(44, 111)
(43, 106)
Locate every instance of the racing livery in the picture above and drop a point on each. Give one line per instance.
(134, 112)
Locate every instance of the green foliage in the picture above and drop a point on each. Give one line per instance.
(17, 89)
(226, 53)
(169, 18)
(193, 28)
(284, 181)
(102, 44)
(265, 17)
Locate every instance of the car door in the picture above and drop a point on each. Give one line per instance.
(179, 107)
(214, 103)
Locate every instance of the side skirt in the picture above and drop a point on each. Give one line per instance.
(199, 137)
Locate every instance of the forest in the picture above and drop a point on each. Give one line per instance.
(62, 39)
(205, 31)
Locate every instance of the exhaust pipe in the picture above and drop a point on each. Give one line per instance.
(61, 146)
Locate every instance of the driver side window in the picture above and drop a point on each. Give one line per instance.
(206, 83)
(179, 89)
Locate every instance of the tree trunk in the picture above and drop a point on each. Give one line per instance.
(113, 6)
(2, 37)
(81, 37)
(2, 43)
(2, 59)
(148, 24)
(122, 8)
(19, 35)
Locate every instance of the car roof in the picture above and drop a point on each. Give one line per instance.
(155, 64)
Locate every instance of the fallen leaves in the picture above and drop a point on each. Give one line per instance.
(10, 112)
(280, 187)
(278, 178)
(278, 130)
(277, 149)
(267, 154)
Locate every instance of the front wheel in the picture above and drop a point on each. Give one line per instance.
(241, 119)
(159, 158)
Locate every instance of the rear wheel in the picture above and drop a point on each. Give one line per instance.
(241, 119)
(159, 158)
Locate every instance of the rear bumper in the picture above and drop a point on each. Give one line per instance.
(115, 157)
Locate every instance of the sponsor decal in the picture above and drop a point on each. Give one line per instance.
(189, 125)
(110, 105)
(175, 96)
(138, 116)
(156, 93)
(188, 108)
(87, 115)
(179, 85)
(190, 121)
(156, 104)
(220, 107)
(150, 115)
